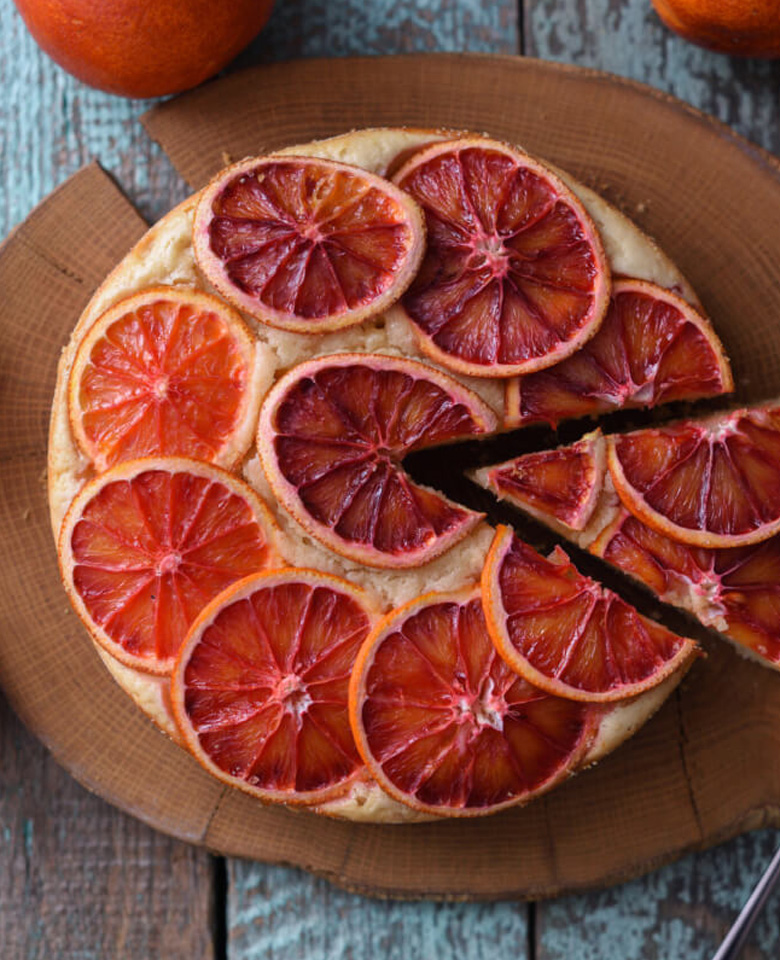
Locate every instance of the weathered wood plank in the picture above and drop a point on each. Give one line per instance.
(50, 125)
(77, 878)
(318, 28)
(626, 37)
(273, 912)
(684, 909)
(80, 880)
(283, 913)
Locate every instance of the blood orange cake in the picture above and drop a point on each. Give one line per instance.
(691, 510)
(236, 525)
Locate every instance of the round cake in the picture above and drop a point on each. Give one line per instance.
(236, 528)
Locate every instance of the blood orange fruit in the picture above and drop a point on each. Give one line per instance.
(652, 348)
(567, 634)
(560, 485)
(260, 687)
(168, 371)
(443, 724)
(734, 590)
(711, 483)
(514, 277)
(305, 244)
(146, 545)
(331, 437)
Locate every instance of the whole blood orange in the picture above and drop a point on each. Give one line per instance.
(445, 726)
(749, 28)
(260, 688)
(138, 48)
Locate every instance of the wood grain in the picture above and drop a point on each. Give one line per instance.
(77, 877)
(80, 879)
(684, 909)
(49, 124)
(275, 912)
(626, 37)
(680, 911)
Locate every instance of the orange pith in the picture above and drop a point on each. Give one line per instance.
(735, 590)
(711, 483)
(514, 276)
(443, 724)
(567, 634)
(146, 545)
(652, 348)
(168, 371)
(306, 244)
(563, 485)
(260, 687)
(331, 437)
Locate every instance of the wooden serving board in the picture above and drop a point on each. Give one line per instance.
(704, 769)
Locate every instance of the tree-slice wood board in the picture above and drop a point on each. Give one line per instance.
(705, 768)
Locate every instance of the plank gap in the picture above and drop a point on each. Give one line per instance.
(219, 906)
(531, 941)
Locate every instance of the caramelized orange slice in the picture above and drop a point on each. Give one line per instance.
(332, 435)
(561, 485)
(167, 371)
(445, 726)
(306, 244)
(514, 277)
(734, 590)
(146, 545)
(259, 690)
(652, 348)
(567, 634)
(709, 483)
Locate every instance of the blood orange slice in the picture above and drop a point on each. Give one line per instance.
(168, 371)
(514, 277)
(710, 483)
(560, 485)
(305, 244)
(567, 634)
(652, 348)
(260, 687)
(443, 724)
(331, 436)
(146, 545)
(734, 590)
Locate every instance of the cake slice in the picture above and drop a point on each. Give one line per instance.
(582, 492)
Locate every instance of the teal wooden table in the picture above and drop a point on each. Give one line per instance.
(80, 880)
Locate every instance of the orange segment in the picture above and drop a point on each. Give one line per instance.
(167, 371)
(514, 277)
(735, 590)
(306, 244)
(442, 723)
(146, 545)
(561, 485)
(332, 435)
(711, 483)
(652, 348)
(567, 634)
(259, 690)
